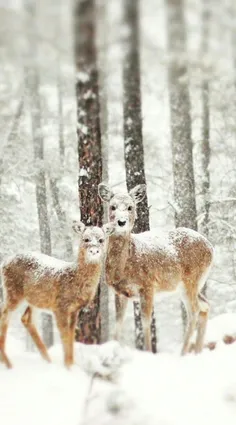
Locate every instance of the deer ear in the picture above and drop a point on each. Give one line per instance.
(78, 227)
(105, 192)
(108, 228)
(138, 193)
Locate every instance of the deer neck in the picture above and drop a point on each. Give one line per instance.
(87, 273)
(117, 256)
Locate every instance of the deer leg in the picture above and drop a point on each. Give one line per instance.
(63, 319)
(202, 322)
(4, 322)
(121, 304)
(146, 300)
(27, 320)
(192, 308)
(72, 326)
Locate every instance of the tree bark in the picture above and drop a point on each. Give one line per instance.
(33, 86)
(55, 192)
(205, 142)
(12, 133)
(181, 137)
(133, 139)
(60, 112)
(181, 131)
(89, 144)
(103, 58)
(61, 215)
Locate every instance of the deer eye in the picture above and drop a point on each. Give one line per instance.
(113, 208)
(101, 240)
(86, 240)
(130, 208)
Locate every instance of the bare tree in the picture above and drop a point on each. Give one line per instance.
(181, 137)
(181, 131)
(103, 76)
(12, 132)
(10, 137)
(60, 111)
(205, 142)
(33, 85)
(89, 143)
(133, 138)
(54, 180)
(61, 215)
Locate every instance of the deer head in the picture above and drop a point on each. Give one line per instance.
(122, 206)
(93, 240)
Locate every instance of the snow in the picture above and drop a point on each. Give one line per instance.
(43, 261)
(83, 128)
(35, 392)
(135, 388)
(89, 95)
(220, 326)
(147, 242)
(156, 240)
(82, 76)
(83, 172)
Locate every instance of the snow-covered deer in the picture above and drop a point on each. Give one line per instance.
(144, 264)
(48, 283)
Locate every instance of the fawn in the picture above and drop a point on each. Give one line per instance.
(48, 283)
(144, 264)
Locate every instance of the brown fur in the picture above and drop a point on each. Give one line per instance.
(63, 291)
(132, 271)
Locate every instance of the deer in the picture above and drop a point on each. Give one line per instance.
(144, 264)
(61, 287)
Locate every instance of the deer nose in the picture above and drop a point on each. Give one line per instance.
(94, 250)
(122, 223)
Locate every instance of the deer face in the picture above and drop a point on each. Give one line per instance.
(93, 240)
(122, 206)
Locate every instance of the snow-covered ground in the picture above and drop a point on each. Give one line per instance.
(135, 388)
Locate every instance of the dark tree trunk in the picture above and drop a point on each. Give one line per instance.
(205, 142)
(181, 137)
(103, 49)
(89, 144)
(133, 139)
(33, 87)
(181, 132)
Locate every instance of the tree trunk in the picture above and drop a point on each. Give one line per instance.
(133, 139)
(61, 215)
(12, 133)
(181, 137)
(181, 132)
(60, 112)
(205, 142)
(89, 144)
(33, 86)
(103, 57)
(55, 192)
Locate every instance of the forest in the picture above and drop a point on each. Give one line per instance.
(125, 93)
